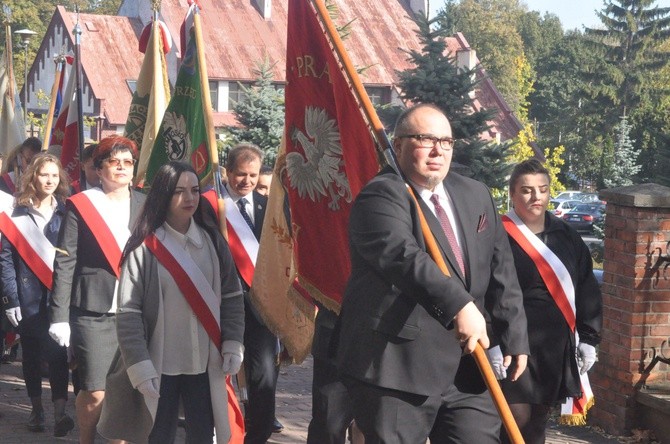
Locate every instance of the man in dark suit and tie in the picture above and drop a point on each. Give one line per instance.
(246, 206)
(407, 330)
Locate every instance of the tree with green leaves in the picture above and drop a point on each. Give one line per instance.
(36, 15)
(629, 40)
(490, 26)
(261, 115)
(437, 79)
(540, 34)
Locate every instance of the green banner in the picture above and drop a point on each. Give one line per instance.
(182, 135)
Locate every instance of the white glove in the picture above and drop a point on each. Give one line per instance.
(232, 353)
(496, 359)
(60, 332)
(586, 357)
(149, 388)
(14, 315)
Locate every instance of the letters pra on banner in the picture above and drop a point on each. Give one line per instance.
(330, 155)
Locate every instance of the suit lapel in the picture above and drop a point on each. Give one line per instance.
(461, 210)
(259, 214)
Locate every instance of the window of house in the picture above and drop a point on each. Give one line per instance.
(132, 86)
(214, 94)
(378, 95)
(236, 93)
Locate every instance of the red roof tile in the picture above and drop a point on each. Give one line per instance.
(109, 57)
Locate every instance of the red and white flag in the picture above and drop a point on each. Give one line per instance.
(65, 133)
(330, 155)
(12, 127)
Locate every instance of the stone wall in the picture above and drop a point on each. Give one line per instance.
(636, 300)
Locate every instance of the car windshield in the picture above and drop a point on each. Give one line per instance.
(588, 208)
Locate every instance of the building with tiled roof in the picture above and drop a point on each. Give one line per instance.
(238, 34)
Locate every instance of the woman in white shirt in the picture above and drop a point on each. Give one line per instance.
(180, 321)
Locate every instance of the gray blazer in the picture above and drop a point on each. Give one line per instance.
(140, 285)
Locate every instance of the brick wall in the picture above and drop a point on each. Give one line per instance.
(636, 301)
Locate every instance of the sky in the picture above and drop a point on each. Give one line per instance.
(573, 13)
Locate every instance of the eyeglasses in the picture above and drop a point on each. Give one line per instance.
(114, 162)
(426, 141)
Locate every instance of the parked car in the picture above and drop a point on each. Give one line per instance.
(583, 216)
(567, 195)
(562, 207)
(589, 197)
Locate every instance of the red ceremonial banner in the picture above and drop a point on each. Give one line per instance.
(330, 156)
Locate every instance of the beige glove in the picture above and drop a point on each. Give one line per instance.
(232, 353)
(149, 388)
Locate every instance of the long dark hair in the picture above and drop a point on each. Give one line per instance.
(155, 209)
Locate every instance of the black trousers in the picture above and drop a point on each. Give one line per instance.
(260, 364)
(193, 390)
(332, 409)
(390, 416)
(36, 349)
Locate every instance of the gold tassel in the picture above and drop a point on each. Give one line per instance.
(577, 419)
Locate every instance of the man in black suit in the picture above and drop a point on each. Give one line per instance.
(243, 166)
(409, 376)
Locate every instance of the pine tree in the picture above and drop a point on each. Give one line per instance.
(624, 165)
(633, 31)
(437, 79)
(261, 115)
(631, 43)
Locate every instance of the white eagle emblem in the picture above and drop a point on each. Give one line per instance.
(176, 138)
(317, 173)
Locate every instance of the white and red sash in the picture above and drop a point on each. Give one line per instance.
(197, 290)
(31, 244)
(91, 206)
(559, 283)
(193, 284)
(241, 240)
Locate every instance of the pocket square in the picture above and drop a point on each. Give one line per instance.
(483, 223)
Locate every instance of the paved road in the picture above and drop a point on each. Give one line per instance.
(293, 410)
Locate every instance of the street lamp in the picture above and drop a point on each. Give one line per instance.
(25, 35)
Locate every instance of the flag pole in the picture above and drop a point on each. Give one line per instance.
(213, 154)
(10, 59)
(209, 120)
(384, 142)
(79, 93)
(60, 66)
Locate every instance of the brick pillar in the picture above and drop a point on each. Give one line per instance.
(636, 300)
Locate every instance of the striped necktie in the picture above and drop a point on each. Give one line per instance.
(448, 231)
(242, 204)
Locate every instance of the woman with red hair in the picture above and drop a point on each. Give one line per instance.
(83, 305)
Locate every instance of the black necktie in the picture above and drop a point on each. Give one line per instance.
(448, 231)
(242, 204)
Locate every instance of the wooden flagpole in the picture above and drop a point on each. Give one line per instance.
(60, 67)
(383, 141)
(79, 94)
(209, 120)
(214, 158)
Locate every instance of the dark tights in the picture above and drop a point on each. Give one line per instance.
(532, 421)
